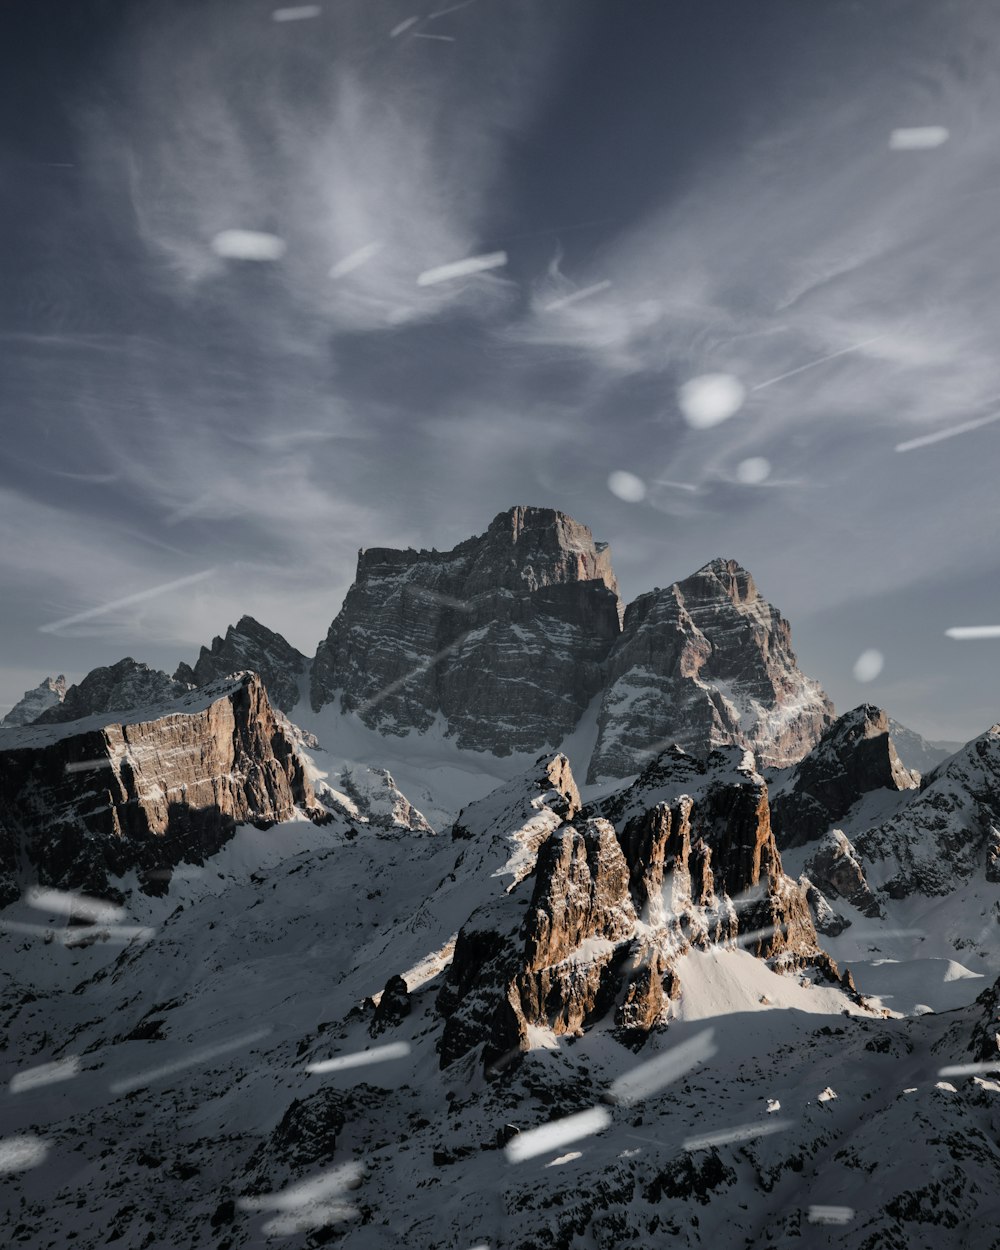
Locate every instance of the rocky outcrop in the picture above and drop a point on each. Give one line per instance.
(598, 931)
(855, 756)
(393, 1007)
(85, 803)
(370, 796)
(947, 833)
(251, 647)
(45, 695)
(503, 636)
(705, 662)
(838, 872)
(553, 965)
(505, 830)
(121, 687)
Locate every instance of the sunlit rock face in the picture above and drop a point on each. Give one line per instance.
(855, 756)
(504, 636)
(119, 687)
(45, 695)
(251, 647)
(685, 857)
(705, 662)
(87, 802)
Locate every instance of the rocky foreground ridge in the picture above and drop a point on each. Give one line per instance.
(682, 859)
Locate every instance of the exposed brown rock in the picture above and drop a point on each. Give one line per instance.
(606, 919)
(91, 800)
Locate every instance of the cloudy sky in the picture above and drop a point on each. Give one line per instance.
(225, 361)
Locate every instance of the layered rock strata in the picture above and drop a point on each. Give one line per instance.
(503, 636)
(705, 662)
(85, 803)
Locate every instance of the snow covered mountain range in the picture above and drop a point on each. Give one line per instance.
(514, 918)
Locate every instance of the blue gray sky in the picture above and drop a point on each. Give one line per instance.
(681, 189)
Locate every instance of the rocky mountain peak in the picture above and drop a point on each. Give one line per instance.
(48, 693)
(948, 832)
(503, 636)
(684, 857)
(720, 574)
(705, 662)
(119, 687)
(250, 646)
(854, 757)
(89, 800)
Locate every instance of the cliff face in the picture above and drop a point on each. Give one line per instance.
(690, 861)
(705, 662)
(86, 802)
(503, 636)
(855, 756)
(251, 647)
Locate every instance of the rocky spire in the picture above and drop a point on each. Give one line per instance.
(250, 646)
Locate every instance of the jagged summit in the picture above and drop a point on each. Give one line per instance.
(510, 635)
(250, 645)
(48, 693)
(503, 636)
(115, 688)
(522, 548)
(704, 662)
(730, 574)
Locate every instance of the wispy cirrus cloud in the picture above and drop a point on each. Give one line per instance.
(390, 156)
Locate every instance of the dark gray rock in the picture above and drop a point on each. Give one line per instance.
(503, 636)
(947, 833)
(836, 869)
(855, 756)
(251, 647)
(120, 687)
